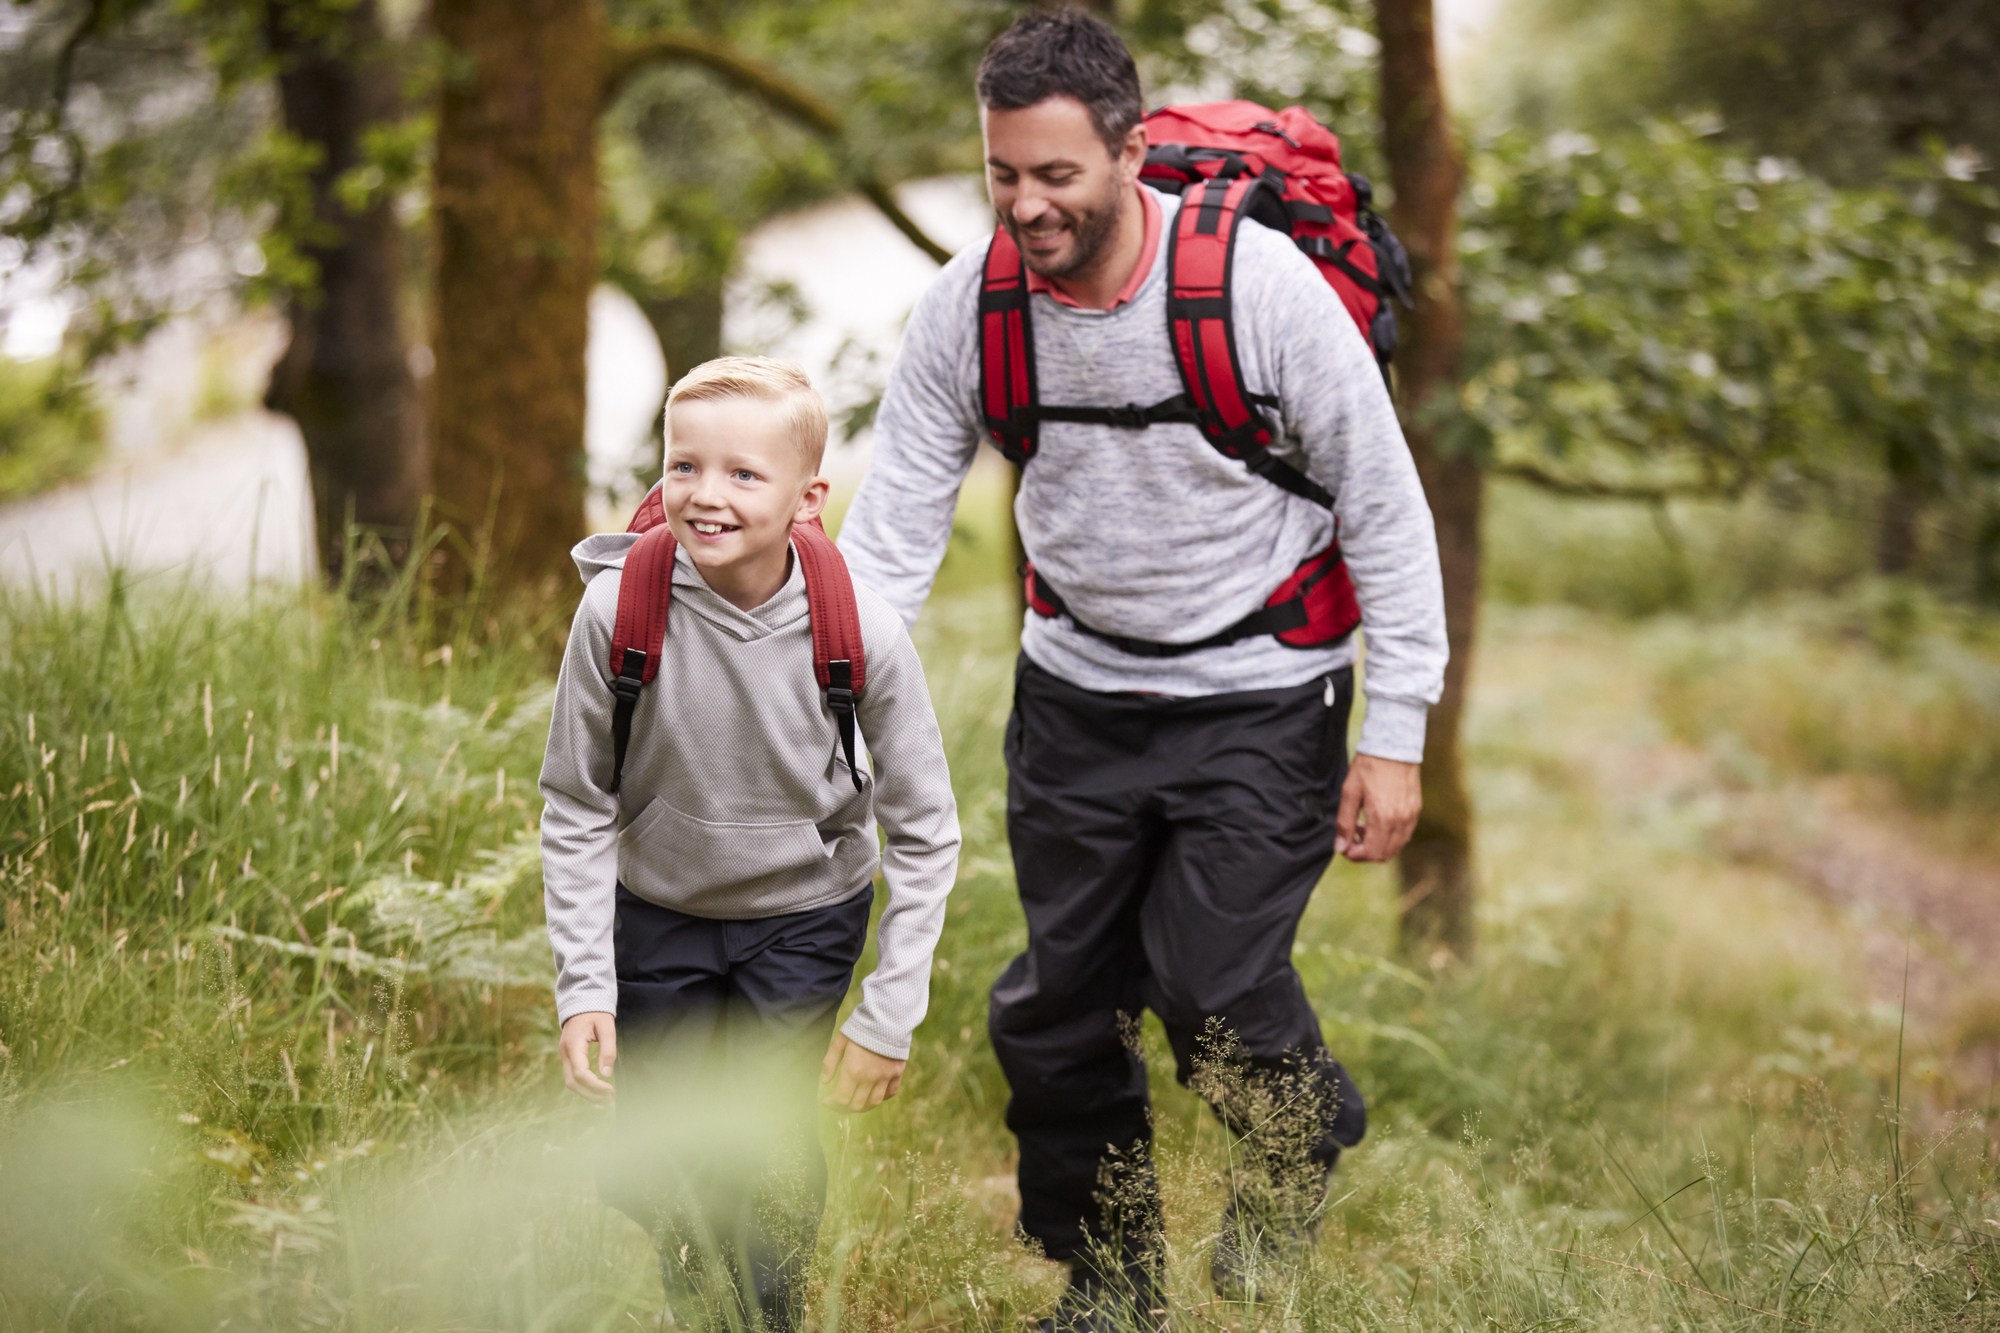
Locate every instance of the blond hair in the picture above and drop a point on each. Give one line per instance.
(763, 378)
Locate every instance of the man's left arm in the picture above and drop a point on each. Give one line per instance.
(1337, 408)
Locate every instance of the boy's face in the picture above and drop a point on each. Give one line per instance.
(736, 480)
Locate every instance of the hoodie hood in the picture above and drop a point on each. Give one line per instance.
(608, 550)
(602, 551)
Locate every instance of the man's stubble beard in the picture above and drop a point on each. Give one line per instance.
(1093, 231)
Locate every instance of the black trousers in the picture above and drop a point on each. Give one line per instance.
(721, 1026)
(1165, 850)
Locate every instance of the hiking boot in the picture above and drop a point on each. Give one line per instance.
(1093, 1303)
(1250, 1249)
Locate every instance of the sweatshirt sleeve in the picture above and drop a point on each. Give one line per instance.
(1338, 409)
(580, 814)
(915, 806)
(926, 437)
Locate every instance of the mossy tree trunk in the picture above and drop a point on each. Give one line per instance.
(1426, 168)
(345, 376)
(516, 211)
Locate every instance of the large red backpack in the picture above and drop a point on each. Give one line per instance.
(645, 592)
(1228, 161)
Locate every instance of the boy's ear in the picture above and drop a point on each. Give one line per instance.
(813, 503)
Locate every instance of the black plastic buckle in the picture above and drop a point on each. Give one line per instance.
(1129, 417)
(1272, 127)
(840, 700)
(631, 677)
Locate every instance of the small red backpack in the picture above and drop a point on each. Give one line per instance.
(645, 591)
(1228, 161)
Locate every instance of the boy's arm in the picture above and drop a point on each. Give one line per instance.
(926, 436)
(580, 814)
(914, 803)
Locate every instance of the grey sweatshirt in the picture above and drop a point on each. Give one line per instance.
(1152, 534)
(736, 801)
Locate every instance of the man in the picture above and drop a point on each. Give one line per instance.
(1170, 810)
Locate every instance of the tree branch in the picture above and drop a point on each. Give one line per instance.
(93, 14)
(1590, 488)
(631, 54)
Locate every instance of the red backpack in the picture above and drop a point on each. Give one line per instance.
(645, 592)
(1228, 161)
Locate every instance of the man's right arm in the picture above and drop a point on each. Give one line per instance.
(926, 436)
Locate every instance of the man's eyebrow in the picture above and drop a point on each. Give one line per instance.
(1058, 164)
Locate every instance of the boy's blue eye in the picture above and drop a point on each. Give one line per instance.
(745, 474)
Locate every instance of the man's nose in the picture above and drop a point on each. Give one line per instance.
(1028, 207)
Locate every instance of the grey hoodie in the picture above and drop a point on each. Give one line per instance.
(736, 802)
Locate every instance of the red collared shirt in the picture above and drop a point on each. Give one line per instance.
(1147, 250)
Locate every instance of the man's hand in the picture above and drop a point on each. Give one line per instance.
(578, 1035)
(854, 1078)
(1379, 804)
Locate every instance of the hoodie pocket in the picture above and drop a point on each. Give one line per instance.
(672, 858)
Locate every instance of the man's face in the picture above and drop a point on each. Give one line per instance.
(735, 483)
(1055, 186)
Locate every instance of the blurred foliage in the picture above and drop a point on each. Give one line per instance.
(50, 428)
(1660, 315)
(1844, 86)
(143, 165)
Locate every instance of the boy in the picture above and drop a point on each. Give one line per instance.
(717, 899)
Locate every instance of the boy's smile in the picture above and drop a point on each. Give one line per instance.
(736, 480)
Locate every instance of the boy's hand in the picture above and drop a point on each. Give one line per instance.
(854, 1078)
(578, 1034)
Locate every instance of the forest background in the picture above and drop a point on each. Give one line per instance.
(1678, 1013)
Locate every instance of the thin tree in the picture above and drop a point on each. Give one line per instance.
(345, 374)
(1426, 168)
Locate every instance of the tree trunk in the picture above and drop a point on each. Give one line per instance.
(1911, 123)
(1425, 169)
(1902, 510)
(688, 324)
(516, 207)
(345, 375)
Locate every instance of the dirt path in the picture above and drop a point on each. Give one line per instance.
(1929, 917)
(1924, 911)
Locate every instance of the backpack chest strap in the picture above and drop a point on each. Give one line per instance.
(1200, 321)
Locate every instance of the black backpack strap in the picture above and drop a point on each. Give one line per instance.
(1290, 613)
(1200, 322)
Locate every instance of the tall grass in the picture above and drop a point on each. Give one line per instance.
(278, 1048)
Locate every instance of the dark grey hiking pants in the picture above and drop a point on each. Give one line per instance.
(721, 1027)
(1164, 849)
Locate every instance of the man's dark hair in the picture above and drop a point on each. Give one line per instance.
(1064, 54)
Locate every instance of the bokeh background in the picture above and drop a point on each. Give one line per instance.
(327, 325)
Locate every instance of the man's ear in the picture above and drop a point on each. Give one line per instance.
(1132, 156)
(813, 503)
